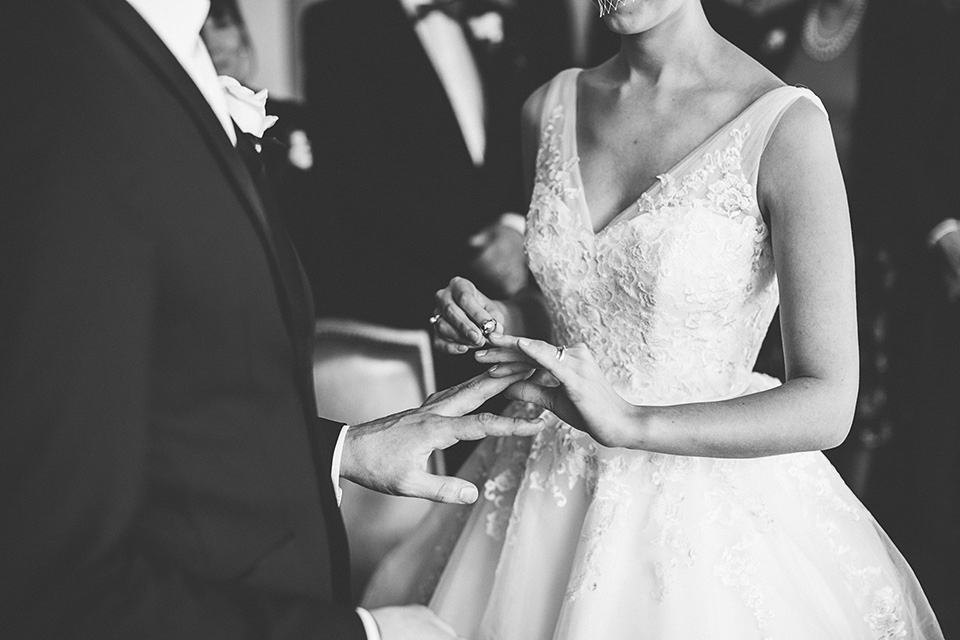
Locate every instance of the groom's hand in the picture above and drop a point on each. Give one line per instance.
(390, 454)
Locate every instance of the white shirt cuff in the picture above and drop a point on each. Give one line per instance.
(369, 624)
(515, 221)
(335, 466)
(947, 226)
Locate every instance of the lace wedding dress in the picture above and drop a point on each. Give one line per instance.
(574, 541)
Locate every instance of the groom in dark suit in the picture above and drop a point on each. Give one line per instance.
(162, 470)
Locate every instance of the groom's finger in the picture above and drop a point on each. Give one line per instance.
(439, 488)
(467, 396)
(481, 425)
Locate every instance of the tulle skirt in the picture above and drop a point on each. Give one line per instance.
(574, 541)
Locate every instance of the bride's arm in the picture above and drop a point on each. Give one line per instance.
(462, 308)
(802, 191)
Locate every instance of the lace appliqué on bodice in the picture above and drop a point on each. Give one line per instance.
(673, 300)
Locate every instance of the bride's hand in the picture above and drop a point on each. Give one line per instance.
(568, 382)
(464, 317)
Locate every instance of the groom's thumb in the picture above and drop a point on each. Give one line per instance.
(441, 489)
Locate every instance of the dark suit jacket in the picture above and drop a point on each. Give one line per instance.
(163, 473)
(405, 196)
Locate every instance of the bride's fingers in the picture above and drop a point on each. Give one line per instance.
(559, 361)
(444, 331)
(475, 305)
(449, 306)
(491, 356)
(504, 341)
(505, 369)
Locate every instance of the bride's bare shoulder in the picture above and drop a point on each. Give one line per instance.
(742, 74)
(533, 106)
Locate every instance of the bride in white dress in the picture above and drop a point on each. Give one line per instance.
(679, 193)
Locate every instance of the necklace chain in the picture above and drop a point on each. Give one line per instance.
(824, 47)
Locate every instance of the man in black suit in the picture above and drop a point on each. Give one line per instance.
(163, 473)
(417, 142)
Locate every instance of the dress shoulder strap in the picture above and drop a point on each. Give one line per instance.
(760, 120)
(780, 100)
(561, 90)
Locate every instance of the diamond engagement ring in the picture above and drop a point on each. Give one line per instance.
(489, 327)
(434, 319)
(561, 352)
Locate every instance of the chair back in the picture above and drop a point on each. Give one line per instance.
(363, 371)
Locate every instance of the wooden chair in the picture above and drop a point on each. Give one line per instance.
(361, 372)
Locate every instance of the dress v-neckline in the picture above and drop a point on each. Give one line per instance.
(661, 177)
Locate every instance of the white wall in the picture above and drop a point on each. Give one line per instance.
(271, 29)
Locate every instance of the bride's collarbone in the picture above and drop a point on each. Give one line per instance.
(623, 149)
(620, 163)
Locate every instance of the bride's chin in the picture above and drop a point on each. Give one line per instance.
(629, 19)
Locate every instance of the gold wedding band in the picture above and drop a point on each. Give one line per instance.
(435, 319)
(561, 352)
(489, 327)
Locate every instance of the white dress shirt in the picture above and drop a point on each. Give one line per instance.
(178, 24)
(447, 47)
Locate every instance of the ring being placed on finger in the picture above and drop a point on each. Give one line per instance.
(489, 326)
(561, 352)
(434, 319)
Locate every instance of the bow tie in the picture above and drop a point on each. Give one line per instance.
(458, 9)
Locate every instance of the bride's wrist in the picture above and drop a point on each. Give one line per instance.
(636, 428)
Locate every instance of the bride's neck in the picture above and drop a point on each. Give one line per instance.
(671, 52)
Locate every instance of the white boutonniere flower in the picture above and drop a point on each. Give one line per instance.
(487, 28)
(247, 109)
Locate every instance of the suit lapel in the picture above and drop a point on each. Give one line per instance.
(142, 39)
